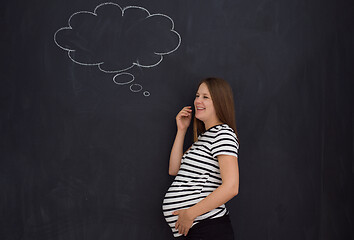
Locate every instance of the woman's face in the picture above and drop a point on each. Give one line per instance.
(203, 104)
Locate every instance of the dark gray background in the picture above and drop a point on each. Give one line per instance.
(84, 158)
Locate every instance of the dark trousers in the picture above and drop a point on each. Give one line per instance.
(211, 229)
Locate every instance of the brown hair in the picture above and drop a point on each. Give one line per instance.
(222, 97)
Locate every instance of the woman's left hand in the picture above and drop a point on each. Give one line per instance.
(184, 222)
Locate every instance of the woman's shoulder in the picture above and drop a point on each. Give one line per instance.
(217, 130)
(225, 130)
(225, 140)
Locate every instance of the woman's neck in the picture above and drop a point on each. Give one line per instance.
(212, 124)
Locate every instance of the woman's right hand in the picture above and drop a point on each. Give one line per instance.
(183, 118)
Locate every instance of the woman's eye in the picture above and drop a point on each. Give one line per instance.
(205, 97)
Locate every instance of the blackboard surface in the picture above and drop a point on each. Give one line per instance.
(84, 149)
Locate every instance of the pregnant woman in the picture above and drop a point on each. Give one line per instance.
(207, 173)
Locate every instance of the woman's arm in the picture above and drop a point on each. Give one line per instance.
(176, 153)
(227, 190)
(183, 120)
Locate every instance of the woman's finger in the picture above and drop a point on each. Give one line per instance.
(186, 110)
(184, 114)
(186, 232)
(183, 230)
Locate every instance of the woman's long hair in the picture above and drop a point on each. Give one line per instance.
(222, 97)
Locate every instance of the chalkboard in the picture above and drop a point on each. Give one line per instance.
(89, 94)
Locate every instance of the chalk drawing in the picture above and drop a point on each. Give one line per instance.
(136, 87)
(116, 39)
(121, 80)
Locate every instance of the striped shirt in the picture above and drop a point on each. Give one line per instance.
(199, 174)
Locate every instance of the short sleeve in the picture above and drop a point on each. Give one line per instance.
(225, 143)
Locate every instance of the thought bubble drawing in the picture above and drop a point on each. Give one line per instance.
(116, 39)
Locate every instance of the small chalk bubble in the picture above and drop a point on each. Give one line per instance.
(123, 78)
(136, 87)
(146, 93)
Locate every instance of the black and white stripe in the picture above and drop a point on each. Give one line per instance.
(199, 174)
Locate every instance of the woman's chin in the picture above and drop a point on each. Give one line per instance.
(199, 118)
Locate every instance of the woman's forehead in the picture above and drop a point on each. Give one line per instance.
(203, 89)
